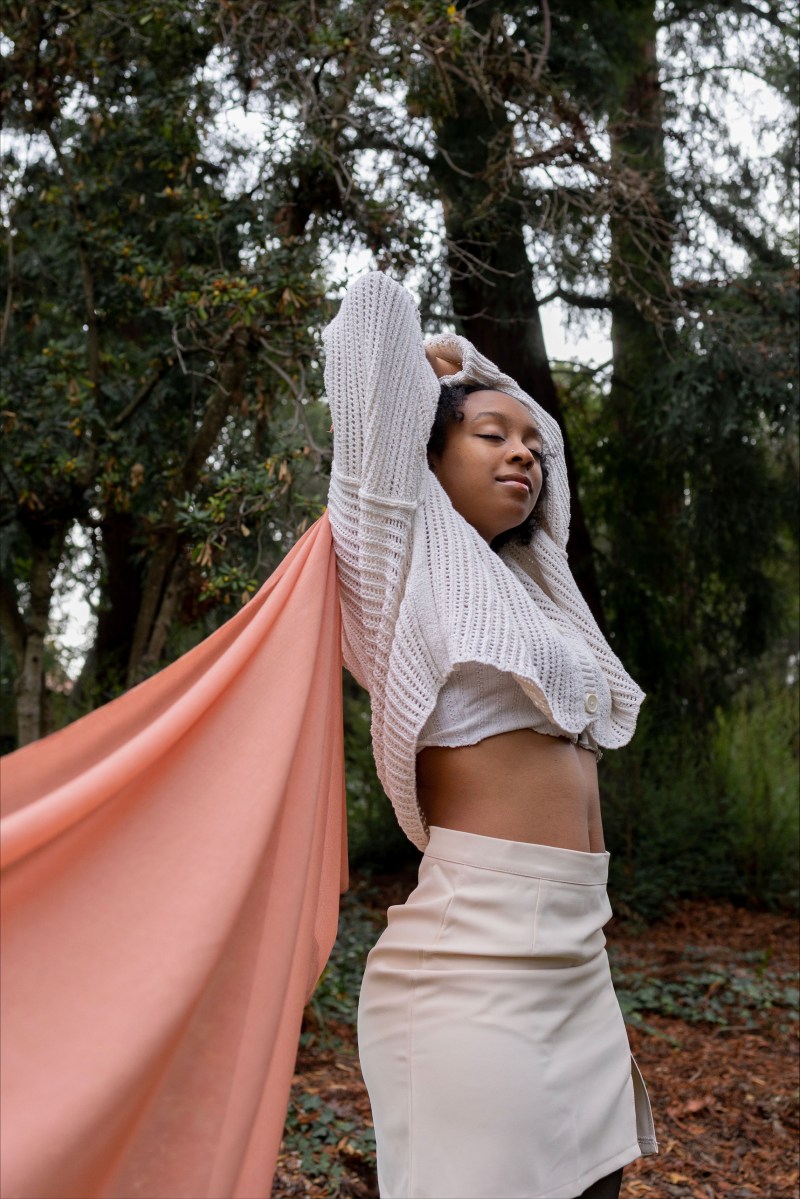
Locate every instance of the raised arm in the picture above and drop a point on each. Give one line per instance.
(381, 388)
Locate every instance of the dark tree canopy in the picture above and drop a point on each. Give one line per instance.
(167, 280)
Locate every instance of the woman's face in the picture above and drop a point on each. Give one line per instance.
(491, 464)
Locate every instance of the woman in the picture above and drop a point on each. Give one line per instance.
(492, 1045)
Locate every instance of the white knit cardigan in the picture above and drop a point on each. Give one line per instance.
(421, 591)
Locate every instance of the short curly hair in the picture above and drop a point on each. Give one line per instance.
(449, 411)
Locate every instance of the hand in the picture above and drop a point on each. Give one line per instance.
(440, 365)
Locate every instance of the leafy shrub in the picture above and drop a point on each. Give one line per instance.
(710, 996)
(327, 1144)
(692, 811)
(754, 772)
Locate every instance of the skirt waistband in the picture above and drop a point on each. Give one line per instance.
(518, 857)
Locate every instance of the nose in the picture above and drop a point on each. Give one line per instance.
(519, 452)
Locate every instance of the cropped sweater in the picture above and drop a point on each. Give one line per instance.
(421, 591)
(478, 701)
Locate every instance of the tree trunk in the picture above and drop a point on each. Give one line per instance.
(173, 593)
(645, 556)
(491, 279)
(640, 275)
(158, 568)
(103, 673)
(30, 687)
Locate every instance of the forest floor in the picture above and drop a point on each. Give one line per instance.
(710, 998)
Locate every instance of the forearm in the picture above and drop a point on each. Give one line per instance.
(381, 389)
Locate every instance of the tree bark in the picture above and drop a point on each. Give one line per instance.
(645, 558)
(173, 593)
(152, 590)
(103, 672)
(491, 279)
(30, 686)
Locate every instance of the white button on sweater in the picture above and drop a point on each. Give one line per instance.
(421, 590)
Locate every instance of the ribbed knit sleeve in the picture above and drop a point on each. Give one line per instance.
(382, 393)
(381, 389)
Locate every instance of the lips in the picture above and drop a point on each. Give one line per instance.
(517, 481)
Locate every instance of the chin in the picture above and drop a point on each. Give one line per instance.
(518, 534)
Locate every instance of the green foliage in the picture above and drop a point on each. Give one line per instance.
(711, 810)
(736, 995)
(754, 771)
(325, 1142)
(160, 337)
(329, 1143)
(705, 583)
(166, 285)
(335, 999)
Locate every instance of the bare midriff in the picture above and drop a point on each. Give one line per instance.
(521, 786)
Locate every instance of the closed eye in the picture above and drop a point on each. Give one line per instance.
(537, 453)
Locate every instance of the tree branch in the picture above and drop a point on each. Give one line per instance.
(9, 291)
(144, 394)
(87, 278)
(367, 139)
(770, 15)
(299, 409)
(566, 146)
(545, 50)
(576, 300)
(216, 410)
(755, 243)
(686, 12)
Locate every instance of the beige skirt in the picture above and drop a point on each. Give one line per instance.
(491, 1041)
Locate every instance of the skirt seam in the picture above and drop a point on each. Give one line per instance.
(446, 912)
(536, 916)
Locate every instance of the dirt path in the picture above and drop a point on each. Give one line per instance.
(710, 996)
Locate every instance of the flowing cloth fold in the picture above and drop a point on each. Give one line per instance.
(170, 879)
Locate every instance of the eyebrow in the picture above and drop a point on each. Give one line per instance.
(502, 417)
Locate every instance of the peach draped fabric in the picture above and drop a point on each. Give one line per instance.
(170, 880)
